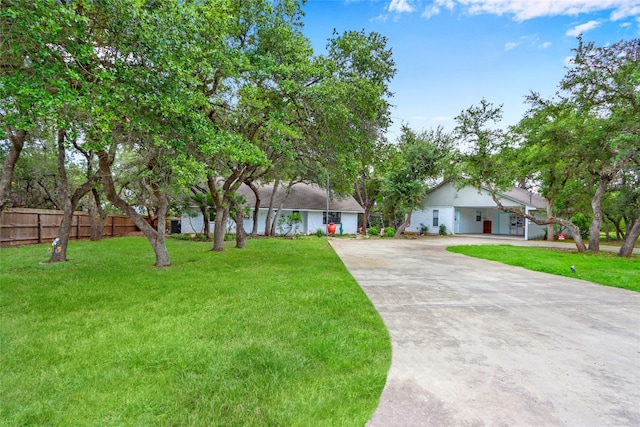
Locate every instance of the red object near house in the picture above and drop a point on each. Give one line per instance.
(331, 228)
(486, 227)
(561, 236)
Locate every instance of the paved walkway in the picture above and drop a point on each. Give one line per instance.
(478, 343)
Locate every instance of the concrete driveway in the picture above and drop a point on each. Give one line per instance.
(478, 343)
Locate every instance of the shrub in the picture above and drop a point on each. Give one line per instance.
(423, 229)
(442, 230)
(319, 232)
(389, 231)
(373, 231)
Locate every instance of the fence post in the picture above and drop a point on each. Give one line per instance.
(39, 228)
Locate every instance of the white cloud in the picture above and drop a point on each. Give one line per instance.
(430, 11)
(531, 41)
(625, 11)
(511, 45)
(400, 6)
(523, 10)
(381, 18)
(582, 28)
(436, 6)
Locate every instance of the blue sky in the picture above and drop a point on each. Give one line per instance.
(452, 53)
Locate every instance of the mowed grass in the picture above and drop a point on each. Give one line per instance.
(276, 334)
(605, 268)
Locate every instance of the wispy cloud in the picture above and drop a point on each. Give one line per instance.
(632, 8)
(511, 45)
(523, 10)
(531, 41)
(437, 6)
(582, 28)
(400, 6)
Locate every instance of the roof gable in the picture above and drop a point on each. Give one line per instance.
(445, 194)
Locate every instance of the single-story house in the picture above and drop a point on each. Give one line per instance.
(469, 211)
(309, 200)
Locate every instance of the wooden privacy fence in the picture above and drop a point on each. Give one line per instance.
(31, 226)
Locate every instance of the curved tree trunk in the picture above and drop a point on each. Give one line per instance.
(406, 223)
(206, 221)
(596, 206)
(365, 215)
(17, 142)
(575, 230)
(256, 207)
(630, 239)
(97, 216)
(268, 229)
(155, 237)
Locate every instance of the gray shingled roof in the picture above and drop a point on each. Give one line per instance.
(303, 196)
(526, 197)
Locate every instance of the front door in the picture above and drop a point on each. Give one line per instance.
(457, 229)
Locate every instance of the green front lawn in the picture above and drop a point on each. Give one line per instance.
(276, 334)
(605, 268)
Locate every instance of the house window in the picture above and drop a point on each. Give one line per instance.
(478, 216)
(333, 217)
(435, 217)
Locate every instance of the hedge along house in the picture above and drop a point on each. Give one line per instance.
(469, 211)
(309, 200)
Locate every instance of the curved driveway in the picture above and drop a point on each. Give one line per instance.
(478, 343)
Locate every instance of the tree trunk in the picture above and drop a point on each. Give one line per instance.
(222, 214)
(268, 229)
(240, 232)
(204, 210)
(97, 216)
(596, 206)
(406, 223)
(550, 230)
(59, 249)
(618, 226)
(159, 245)
(17, 142)
(69, 201)
(155, 237)
(607, 235)
(630, 239)
(287, 191)
(256, 207)
(365, 215)
(577, 237)
(220, 228)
